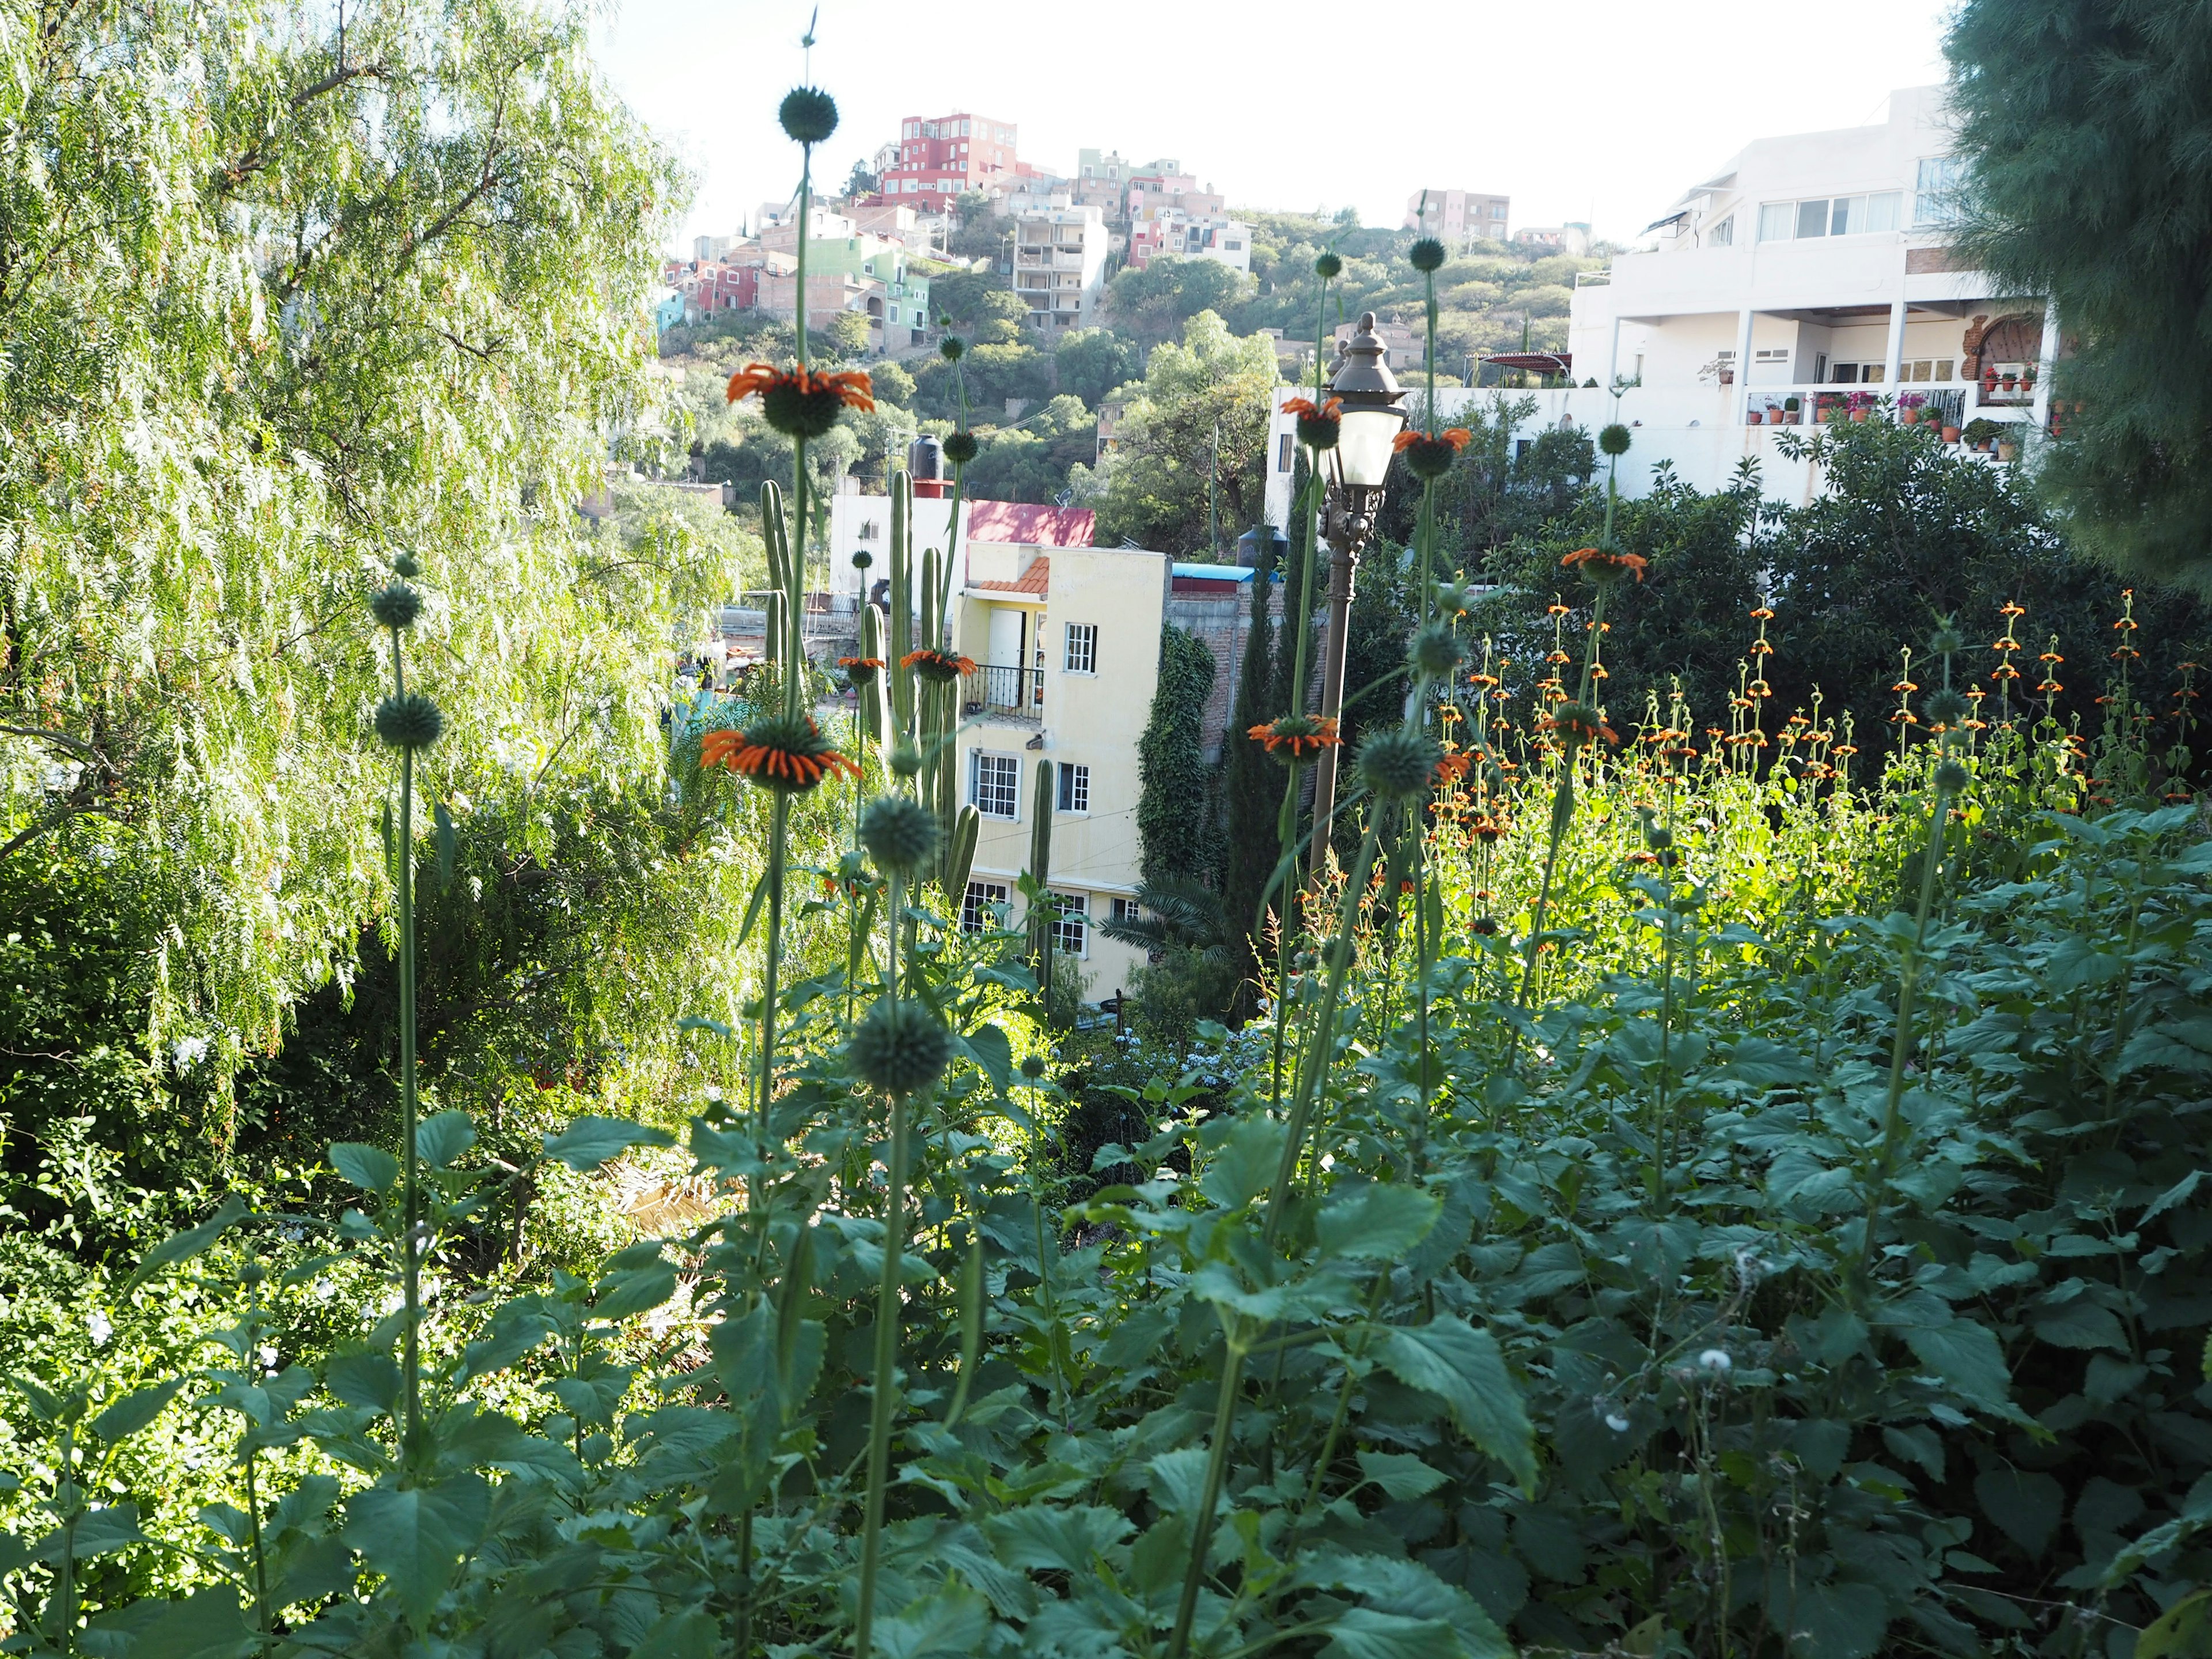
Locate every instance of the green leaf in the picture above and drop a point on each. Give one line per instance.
(209, 1624)
(2079, 1323)
(1066, 1539)
(753, 910)
(2183, 1631)
(634, 1290)
(364, 1379)
(950, 1624)
(680, 1634)
(1967, 1355)
(590, 1140)
(991, 1051)
(701, 1022)
(416, 1536)
(1400, 1475)
(1465, 1369)
(447, 842)
(441, 1139)
(1376, 1223)
(1828, 1621)
(2025, 1507)
(1177, 1479)
(135, 1411)
(369, 1167)
(1245, 1163)
(179, 1247)
(1364, 1633)
(99, 1532)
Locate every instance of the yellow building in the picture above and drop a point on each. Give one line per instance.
(1065, 640)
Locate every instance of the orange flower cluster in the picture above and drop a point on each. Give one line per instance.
(1450, 769)
(937, 664)
(1604, 565)
(851, 387)
(782, 760)
(1458, 437)
(861, 671)
(1573, 722)
(1302, 408)
(1488, 829)
(1297, 734)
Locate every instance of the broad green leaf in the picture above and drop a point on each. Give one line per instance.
(2183, 1631)
(2025, 1506)
(1376, 1223)
(590, 1140)
(209, 1624)
(1068, 1540)
(1245, 1163)
(364, 1379)
(2079, 1323)
(99, 1532)
(620, 1295)
(1967, 1355)
(679, 1633)
(990, 1050)
(1364, 1633)
(1827, 1620)
(416, 1536)
(441, 1139)
(369, 1167)
(135, 1411)
(1177, 1479)
(1465, 1369)
(179, 1247)
(950, 1624)
(1399, 1474)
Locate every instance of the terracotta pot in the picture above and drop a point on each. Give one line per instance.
(1754, 418)
(2008, 452)
(1950, 435)
(1858, 414)
(1908, 417)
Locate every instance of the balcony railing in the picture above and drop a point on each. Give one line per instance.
(1006, 693)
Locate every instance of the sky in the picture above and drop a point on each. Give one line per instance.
(1605, 110)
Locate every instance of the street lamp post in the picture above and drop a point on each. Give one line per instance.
(1356, 468)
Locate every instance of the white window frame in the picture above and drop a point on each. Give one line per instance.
(1723, 234)
(1010, 790)
(979, 893)
(1071, 788)
(1936, 182)
(1085, 661)
(1071, 921)
(1125, 910)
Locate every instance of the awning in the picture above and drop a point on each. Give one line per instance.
(1535, 362)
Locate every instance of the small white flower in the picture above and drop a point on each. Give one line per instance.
(268, 1358)
(98, 1327)
(190, 1051)
(1715, 1362)
(1617, 1421)
(325, 1290)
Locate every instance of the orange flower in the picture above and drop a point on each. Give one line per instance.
(861, 671)
(1450, 769)
(940, 665)
(1603, 566)
(1294, 737)
(1303, 407)
(790, 755)
(800, 402)
(1458, 437)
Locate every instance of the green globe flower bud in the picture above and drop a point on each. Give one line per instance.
(952, 347)
(403, 564)
(1949, 707)
(1437, 650)
(252, 1274)
(808, 115)
(395, 605)
(411, 721)
(863, 559)
(900, 1048)
(1397, 764)
(1427, 254)
(1033, 1068)
(906, 759)
(1951, 778)
(1614, 439)
(960, 447)
(899, 833)
(1946, 639)
(1328, 267)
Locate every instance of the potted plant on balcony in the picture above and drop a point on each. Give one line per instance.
(1860, 404)
(1950, 433)
(1792, 410)
(1908, 407)
(1754, 417)
(2010, 382)
(1979, 431)
(2007, 445)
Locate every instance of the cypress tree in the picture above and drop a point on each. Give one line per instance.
(1171, 764)
(2083, 124)
(1252, 784)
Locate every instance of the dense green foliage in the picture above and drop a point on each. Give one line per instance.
(1173, 827)
(2085, 125)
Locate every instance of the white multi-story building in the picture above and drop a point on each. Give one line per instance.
(1458, 217)
(1810, 279)
(1059, 264)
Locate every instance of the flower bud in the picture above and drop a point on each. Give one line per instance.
(900, 1048)
(411, 721)
(899, 833)
(808, 115)
(395, 605)
(1427, 254)
(1614, 439)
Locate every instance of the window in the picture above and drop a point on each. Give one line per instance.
(1829, 216)
(1775, 219)
(1812, 218)
(1071, 928)
(1936, 190)
(994, 784)
(1074, 788)
(1082, 656)
(983, 907)
(1125, 910)
(1723, 234)
(1770, 355)
(1283, 455)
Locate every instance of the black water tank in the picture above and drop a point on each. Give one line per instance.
(925, 458)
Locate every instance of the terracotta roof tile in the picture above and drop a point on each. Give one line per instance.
(1038, 579)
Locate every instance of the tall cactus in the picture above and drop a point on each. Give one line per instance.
(902, 602)
(772, 535)
(960, 856)
(872, 713)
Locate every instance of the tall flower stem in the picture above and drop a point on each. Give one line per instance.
(779, 837)
(410, 1249)
(884, 1403)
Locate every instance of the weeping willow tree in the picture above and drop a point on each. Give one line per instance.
(2087, 127)
(286, 291)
